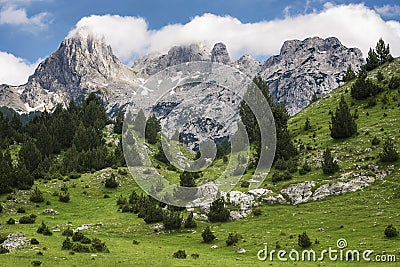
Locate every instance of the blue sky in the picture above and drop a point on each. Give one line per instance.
(30, 30)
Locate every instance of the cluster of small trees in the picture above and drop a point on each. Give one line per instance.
(81, 243)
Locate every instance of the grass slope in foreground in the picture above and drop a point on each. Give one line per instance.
(360, 217)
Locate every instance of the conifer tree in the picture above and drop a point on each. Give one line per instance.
(343, 123)
(30, 155)
(329, 165)
(140, 122)
(152, 129)
(372, 60)
(349, 75)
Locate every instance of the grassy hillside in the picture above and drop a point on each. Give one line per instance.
(359, 217)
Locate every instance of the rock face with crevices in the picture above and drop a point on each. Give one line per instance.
(308, 67)
(84, 64)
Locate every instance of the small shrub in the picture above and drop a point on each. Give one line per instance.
(78, 247)
(36, 196)
(218, 211)
(375, 141)
(190, 222)
(207, 235)
(34, 241)
(245, 184)
(135, 242)
(304, 241)
(1, 208)
(280, 164)
(86, 240)
(180, 254)
(172, 220)
(21, 210)
(77, 236)
(195, 256)
(11, 221)
(391, 232)
(257, 211)
(64, 196)
(121, 201)
(27, 220)
(68, 232)
(306, 168)
(67, 244)
(389, 153)
(36, 263)
(232, 239)
(98, 246)
(122, 172)
(111, 182)
(44, 229)
(3, 250)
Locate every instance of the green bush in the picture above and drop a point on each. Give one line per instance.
(111, 182)
(172, 220)
(3, 250)
(218, 212)
(77, 236)
(190, 222)
(36, 196)
(232, 239)
(375, 141)
(306, 168)
(34, 241)
(304, 241)
(389, 153)
(180, 254)
(27, 220)
(21, 210)
(11, 221)
(391, 232)
(98, 246)
(44, 229)
(257, 211)
(67, 244)
(64, 196)
(68, 232)
(207, 235)
(245, 184)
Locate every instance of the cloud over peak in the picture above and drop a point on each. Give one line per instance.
(355, 25)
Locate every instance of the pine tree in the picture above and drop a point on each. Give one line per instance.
(307, 125)
(30, 155)
(190, 222)
(152, 129)
(304, 241)
(349, 75)
(188, 179)
(329, 165)
(218, 212)
(207, 235)
(284, 146)
(119, 121)
(343, 123)
(383, 52)
(372, 60)
(140, 122)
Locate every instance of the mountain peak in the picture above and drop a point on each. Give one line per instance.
(220, 54)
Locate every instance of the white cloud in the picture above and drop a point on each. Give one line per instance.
(14, 70)
(355, 25)
(17, 16)
(388, 11)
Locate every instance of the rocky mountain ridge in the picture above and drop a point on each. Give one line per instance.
(85, 64)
